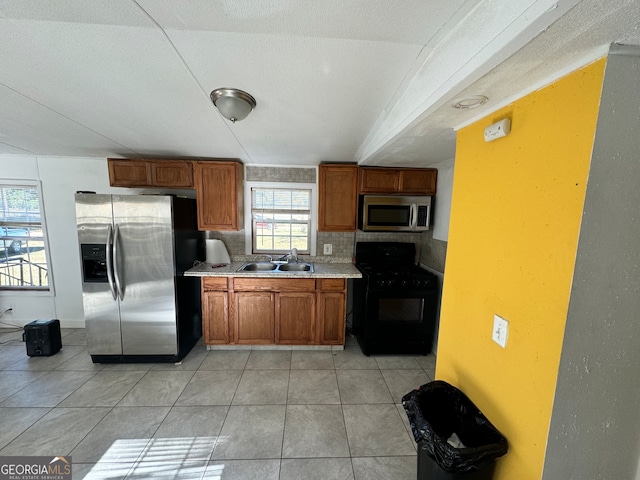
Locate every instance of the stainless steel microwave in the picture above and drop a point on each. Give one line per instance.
(390, 213)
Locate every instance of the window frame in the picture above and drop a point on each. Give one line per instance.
(26, 290)
(248, 217)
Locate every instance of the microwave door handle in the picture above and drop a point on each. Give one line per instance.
(109, 254)
(116, 238)
(414, 216)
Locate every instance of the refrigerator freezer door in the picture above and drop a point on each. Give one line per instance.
(144, 267)
(94, 216)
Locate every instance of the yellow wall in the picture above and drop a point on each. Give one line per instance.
(515, 218)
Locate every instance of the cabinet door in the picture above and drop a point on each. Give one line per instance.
(129, 173)
(418, 182)
(215, 315)
(378, 180)
(338, 197)
(296, 318)
(172, 174)
(331, 318)
(219, 196)
(254, 317)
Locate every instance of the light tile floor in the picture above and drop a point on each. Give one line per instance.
(224, 415)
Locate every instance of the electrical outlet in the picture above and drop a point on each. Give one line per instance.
(500, 331)
(328, 249)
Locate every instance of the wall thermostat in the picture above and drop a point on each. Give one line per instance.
(497, 130)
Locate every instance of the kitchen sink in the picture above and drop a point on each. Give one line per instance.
(296, 267)
(257, 267)
(268, 267)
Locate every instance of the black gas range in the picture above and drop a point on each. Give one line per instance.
(412, 277)
(395, 302)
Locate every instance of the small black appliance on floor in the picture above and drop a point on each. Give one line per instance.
(42, 337)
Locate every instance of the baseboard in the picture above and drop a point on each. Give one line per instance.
(63, 323)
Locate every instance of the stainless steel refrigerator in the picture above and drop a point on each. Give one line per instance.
(138, 305)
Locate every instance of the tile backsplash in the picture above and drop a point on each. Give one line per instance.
(279, 174)
(430, 252)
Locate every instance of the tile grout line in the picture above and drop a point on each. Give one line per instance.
(106, 414)
(284, 425)
(197, 368)
(211, 459)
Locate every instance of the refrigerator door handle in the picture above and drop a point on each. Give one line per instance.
(110, 263)
(116, 273)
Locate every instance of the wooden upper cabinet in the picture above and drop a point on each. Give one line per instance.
(150, 173)
(129, 173)
(378, 180)
(219, 195)
(418, 181)
(412, 181)
(338, 198)
(172, 174)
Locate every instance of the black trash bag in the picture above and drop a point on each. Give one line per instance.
(439, 410)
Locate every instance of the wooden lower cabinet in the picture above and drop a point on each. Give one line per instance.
(331, 310)
(251, 311)
(215, 311)
(253, 317)
(296, 318)
(215, 318)
(331, 316)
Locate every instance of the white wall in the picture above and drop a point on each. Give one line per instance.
(442, 207)
(60, 178)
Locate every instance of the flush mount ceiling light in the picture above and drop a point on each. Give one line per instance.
(232, 103)
(471, 101)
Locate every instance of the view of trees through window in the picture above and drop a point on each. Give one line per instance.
(281, 220)
(23, 262)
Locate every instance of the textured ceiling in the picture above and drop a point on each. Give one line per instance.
(368, 81)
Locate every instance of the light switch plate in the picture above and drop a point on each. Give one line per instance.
(328, 248)
(500, 331)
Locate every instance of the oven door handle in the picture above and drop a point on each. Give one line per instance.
(413, 216)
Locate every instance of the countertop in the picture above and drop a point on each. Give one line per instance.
(321, 270)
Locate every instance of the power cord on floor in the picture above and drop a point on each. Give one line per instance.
(16, 328)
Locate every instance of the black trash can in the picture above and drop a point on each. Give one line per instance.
(455, 440)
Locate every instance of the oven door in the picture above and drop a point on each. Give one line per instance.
(397, 321)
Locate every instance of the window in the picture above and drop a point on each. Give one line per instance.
(23, 258)
(281, 220)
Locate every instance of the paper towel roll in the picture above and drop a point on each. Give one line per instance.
(216, 252)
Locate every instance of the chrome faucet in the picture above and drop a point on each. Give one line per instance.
(292, 256)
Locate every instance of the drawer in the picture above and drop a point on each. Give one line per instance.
(274, 285)
(331, 284)
(214, 283)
